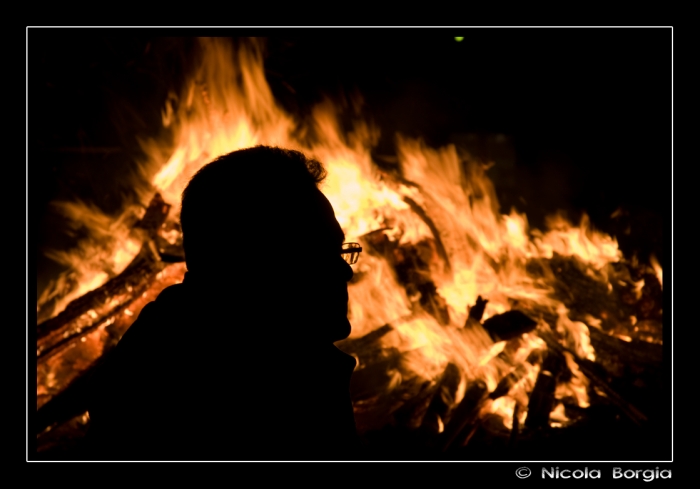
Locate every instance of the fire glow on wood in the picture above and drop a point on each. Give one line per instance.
(462, 316)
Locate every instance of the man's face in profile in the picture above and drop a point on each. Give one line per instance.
(320, 282)
(283, 236)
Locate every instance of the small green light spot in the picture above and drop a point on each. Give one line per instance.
(458, 39)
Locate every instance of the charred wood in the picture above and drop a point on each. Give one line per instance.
(65, 363)
(507, 382)
(610, 349)
(542, 397)
(412, 266)
(476, 312)
(634, 351)
(591, 370)
(376, 374)
(171, 253)
(465, 414)
(156, 214)
(629, 409)
(412, 269)
(413, 411)
(379, 243)
(76, 316)
(612, 296)
(168, 240)
(433, 303)
(440, 247)
(508, 325)
(515, 430)
(70, 402)
(466, 436)
(96, 306)
(579, 291)
(441, 405)
(411, 262)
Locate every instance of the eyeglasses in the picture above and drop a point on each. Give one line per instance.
(351, 252)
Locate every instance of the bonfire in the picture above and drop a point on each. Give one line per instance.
(470, 328)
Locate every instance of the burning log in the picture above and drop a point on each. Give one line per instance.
(542, 396)
(589, 370)
(376, 374)
(412, 413)
(156, 214)
(629, 409)
(411, 264)
(476, 312)
(440, 247)
(516, 426)
(634, 351)
(464, 415)
(70, 402)
(440, 407)
(625, 297)
(97, 320)
(508, 325)
(61, 373)
(506, 383)
(578, 290)
(628, 351)
(94, 307)
(97, 306)
(432, 302)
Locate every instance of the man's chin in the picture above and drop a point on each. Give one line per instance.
(335, 330)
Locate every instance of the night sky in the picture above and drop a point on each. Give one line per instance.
(575, 119)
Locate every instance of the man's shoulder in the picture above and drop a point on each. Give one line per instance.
(171, 298)
(168, 304)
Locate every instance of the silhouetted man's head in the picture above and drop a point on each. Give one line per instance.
(254, 223)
